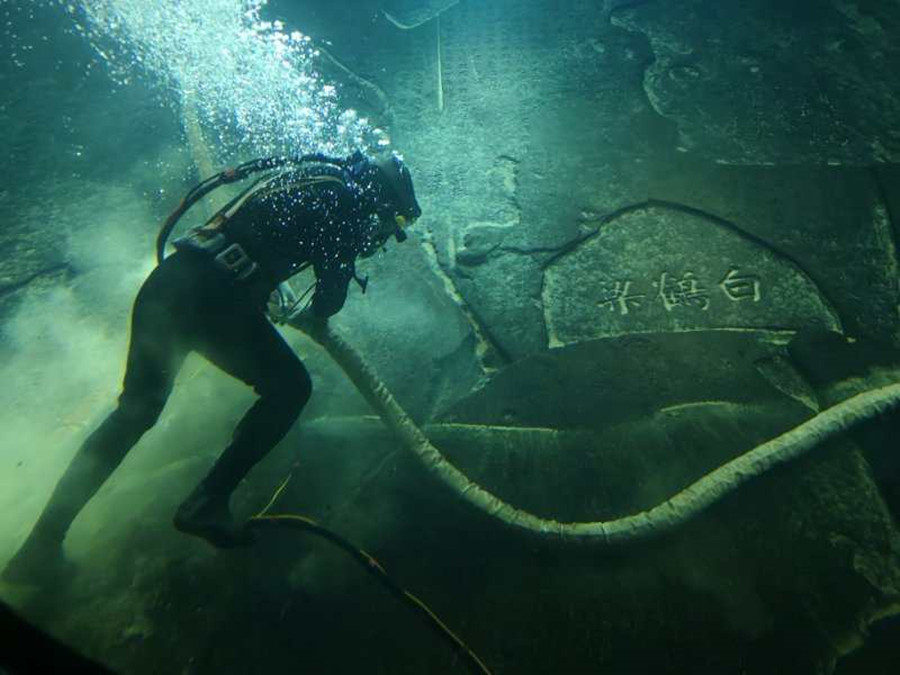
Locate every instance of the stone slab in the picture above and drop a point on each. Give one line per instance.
(661, 269)
(593, 384)
(580, 476)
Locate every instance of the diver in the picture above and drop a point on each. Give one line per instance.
(212, 296)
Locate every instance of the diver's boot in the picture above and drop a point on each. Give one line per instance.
(205, 514)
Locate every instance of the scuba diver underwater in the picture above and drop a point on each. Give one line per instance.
(212, 296)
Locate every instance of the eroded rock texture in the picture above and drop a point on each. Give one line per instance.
(769, 82)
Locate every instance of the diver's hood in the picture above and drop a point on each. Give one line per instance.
(398, 186)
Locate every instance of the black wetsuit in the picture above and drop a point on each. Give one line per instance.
(189, 303)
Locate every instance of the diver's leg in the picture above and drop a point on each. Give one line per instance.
(251, 349)
(153, 360)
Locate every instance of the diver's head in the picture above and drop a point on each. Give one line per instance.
(398, 203)
(395, 198)
(387, 182)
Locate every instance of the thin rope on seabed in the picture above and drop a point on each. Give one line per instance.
(297, 522)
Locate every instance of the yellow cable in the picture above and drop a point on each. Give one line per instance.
(274, 497)
(372, 564)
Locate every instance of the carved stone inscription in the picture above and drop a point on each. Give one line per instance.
(661, 269)
(686, 291)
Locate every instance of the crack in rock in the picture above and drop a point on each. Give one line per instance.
(483, 238)
(486, 348)
(9, 289)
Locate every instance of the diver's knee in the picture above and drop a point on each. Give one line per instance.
(299, 389)
(291, 389)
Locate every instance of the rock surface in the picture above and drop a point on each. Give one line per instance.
(765, 81)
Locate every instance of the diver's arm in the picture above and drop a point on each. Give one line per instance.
(332, 279)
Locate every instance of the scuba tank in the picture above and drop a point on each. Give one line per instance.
(233, 175)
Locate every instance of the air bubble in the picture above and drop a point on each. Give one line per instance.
(250, 82)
